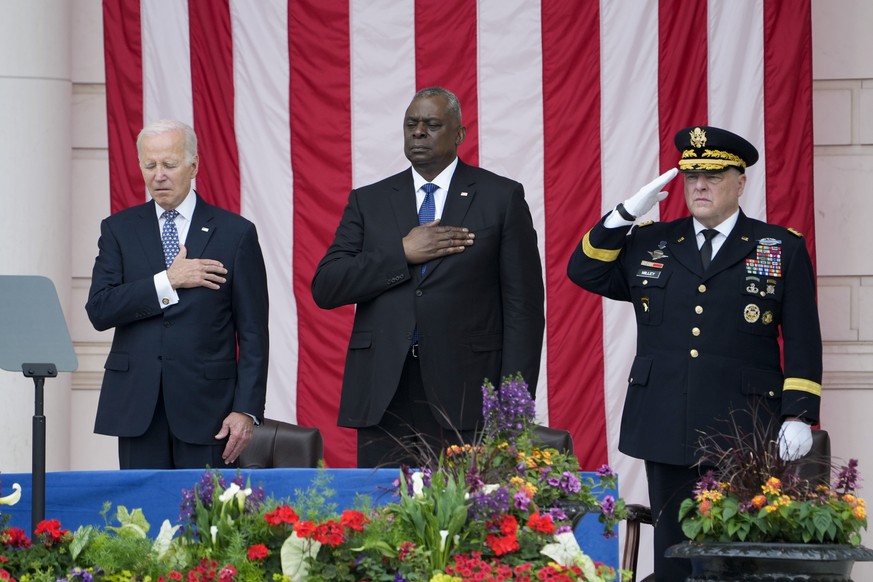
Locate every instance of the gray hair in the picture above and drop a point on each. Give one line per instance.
(165, 126)
(451, 99)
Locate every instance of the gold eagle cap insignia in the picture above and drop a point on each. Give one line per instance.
(698, 137)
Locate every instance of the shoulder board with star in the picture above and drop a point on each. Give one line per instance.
(796, 233)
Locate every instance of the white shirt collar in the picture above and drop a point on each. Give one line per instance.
(443, 179)
(186, 208)
(724, 228)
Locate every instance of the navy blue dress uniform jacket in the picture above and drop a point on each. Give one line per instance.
(708, 344)
(190, 347)
(479, 313)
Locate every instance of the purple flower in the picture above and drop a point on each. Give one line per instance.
(607, 506)
(558, 514)
(564, 529)
(487, 506)
(570, 483)
(507, 410)
(521, 500)
(847, 479)
(605, 471)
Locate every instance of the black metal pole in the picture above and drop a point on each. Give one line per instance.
(38, 464)
(38, 372)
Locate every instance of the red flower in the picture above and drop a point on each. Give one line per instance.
(174, 575)
(227, 573)
(304, 529)
(508, 525)
(14, 537)
(501, 545)
(353, 520)
(329, 533)
(282, 514)
(542, 524)
(258, 552)
(51, 528)
(4, 575)
(404, 551)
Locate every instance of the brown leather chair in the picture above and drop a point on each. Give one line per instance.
(553, 438)
(815, 467)
(277, 444)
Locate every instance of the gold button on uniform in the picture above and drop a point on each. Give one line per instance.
(645, 281)
(701, 288)
(698, 310)
(771, 393)
(695, 331)
(694, 353)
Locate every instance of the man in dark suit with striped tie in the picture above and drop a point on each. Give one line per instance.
(441, 261)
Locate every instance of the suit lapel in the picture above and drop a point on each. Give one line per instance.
(401, 197)
(462, 190)
(739, 244)
(682, 245)
(201, 229)
(148, 232)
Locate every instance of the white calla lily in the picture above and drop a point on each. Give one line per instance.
(13, 497)
(418, 484)
(229, 493)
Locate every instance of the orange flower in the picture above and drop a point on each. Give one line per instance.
(860, 512)
(705, 507)
(759, 501)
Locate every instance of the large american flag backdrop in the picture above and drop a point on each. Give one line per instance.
(297, 101)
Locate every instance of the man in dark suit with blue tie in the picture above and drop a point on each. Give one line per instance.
(186, 376)
(444, 299)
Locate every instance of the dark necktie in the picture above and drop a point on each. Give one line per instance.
(427, 212)
(706, 249)
(170, 236)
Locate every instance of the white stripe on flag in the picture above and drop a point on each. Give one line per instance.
(263, 132)
(630, 146)
(511, 129)
(383, 82)
(736, 85)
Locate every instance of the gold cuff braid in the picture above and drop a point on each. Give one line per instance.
(605, 255)
(803, 385)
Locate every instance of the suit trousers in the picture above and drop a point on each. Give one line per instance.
(158, 448)
(669, 485)
(408, 433)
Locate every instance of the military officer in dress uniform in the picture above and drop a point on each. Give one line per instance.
(711, 292)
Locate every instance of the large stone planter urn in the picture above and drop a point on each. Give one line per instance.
(770, 562)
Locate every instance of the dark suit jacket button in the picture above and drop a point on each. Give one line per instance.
(168, 323)
(419, 292)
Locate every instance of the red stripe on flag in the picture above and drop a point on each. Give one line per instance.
(122, 39)
(445, 55)
(212, 87)
(682, 85)
(788, 116)
(571, 122)
(321, 155)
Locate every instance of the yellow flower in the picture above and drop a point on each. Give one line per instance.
(849, 498)
(772, 486)
(440, 577)
(860, 512)
(710, 495)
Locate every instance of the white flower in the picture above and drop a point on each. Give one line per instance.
(13, 497)
(165, 538)
(214, 532)
(490, 488)
(444, 534)
(229, 493)
(418, 484)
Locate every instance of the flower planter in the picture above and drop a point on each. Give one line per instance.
(762, 562)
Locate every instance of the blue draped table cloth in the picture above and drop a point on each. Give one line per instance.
(77, 497)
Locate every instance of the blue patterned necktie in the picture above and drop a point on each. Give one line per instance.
(170, 236)
(427, 212)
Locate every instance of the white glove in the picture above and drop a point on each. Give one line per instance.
(649, 195)
(795, 440)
